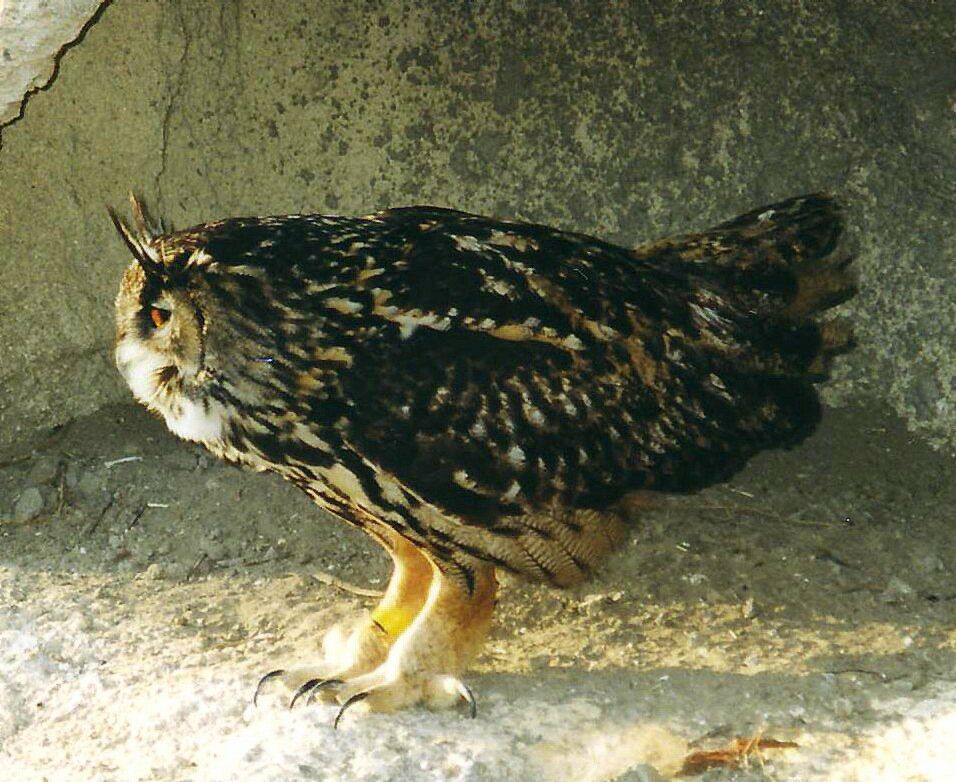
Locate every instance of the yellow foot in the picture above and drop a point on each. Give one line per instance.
(428, 628)
(346, 655)
(422, 666)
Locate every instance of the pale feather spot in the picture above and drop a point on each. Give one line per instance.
(199, 258)
(303, 433)
(467, 243)
(338, 354)
(513, 332)
(516, 455)
(708, 316)
(345, 306)
(367, 274)
(461, 478)
(410, 320)
(244, 270)
(501, 287)
(391, 491)
(314, 287)
(513, 491)
(506, 239)
(339, 477)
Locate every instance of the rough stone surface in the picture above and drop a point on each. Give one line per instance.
(628, 120)
(32, 35)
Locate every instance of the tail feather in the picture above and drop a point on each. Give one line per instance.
(781, 259)
(793, 245)
(792, 232)
(771, 275)
(784, 263)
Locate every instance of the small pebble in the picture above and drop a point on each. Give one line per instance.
(89, 484)
(640, 773)
(44, 471)
(29, 505)
(896, 591)
(71, 475)
(213, 549)
(928, 564)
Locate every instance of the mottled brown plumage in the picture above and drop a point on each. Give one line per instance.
(486, 391)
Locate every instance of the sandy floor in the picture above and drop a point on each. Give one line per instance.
(812, 599)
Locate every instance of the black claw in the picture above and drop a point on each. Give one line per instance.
(321, 686)
(268, 677)
(309, 685)
(359, 696)
(468, 697)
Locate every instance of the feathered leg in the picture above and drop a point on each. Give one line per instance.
(350, 652)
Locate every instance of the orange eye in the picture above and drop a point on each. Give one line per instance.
(158, 315)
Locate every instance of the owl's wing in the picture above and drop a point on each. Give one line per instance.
(498, 383)
(520, 365)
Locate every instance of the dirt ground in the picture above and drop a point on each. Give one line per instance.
(144, 587)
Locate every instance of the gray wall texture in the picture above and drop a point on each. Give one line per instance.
(629, 120)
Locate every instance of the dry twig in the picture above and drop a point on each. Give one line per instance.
(334, 581)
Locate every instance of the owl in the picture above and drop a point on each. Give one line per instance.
(476, 394)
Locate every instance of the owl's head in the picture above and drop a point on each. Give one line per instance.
(220, 327)
(161, 333)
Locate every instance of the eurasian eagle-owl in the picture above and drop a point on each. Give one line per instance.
(475, 393)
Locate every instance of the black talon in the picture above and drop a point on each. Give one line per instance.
(468, 697)
(309, 685)
(268, 677)
(321, 686)
(359, 696)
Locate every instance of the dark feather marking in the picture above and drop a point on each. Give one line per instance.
(699, 351)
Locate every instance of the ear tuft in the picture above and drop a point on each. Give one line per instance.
(139, 239)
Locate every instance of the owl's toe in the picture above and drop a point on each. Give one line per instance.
(313, 688)
(316, 683)
(348, 650)
(382, 691)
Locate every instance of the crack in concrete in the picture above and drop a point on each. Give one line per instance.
(175, 88)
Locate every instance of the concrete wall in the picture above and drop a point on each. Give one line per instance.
(628, 120)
